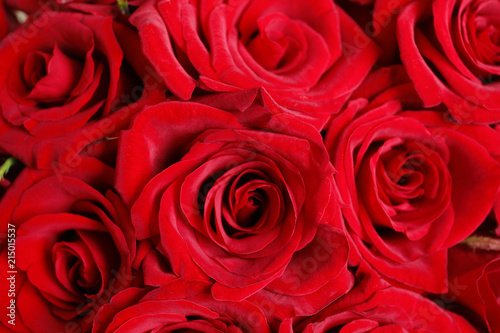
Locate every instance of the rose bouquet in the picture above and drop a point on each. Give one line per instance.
(250, 166)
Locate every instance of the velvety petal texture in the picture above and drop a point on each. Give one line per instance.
(230, 202)
(178, 306)
(309, 58)
(387, 310)
(74, 245)
(321, 263)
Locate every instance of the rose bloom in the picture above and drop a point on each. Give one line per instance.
(179, 305)
(238, 197)
(451, 50)
(74, 246)
(309, 58)
(387, 310)
(414, 183)
(64, 81)
(475, 285)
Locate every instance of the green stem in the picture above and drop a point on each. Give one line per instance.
(483, 243)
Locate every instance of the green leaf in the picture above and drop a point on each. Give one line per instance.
(123, 6)
(5, 167)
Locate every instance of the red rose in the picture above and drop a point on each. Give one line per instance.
(451, 50)
(223, 199)
(309, 58)
(73, 246)
(412, 183)
(475, 284)
(180, 305)
(387, 310)
(63, 84)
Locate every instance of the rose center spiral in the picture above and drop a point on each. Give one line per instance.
(279, 43)
(249, 208)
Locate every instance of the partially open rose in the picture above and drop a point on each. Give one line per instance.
(411, 181)
(64, 81)
(74, 246)
(451, 50)
(309, 58)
